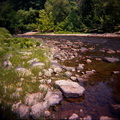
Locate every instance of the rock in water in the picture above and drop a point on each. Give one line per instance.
(106, 118)
(83, 49)
(69, 88)
(74, 117)
(111, 59)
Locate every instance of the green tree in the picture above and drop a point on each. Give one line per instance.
(27, 4)
(45, 21)
(6, 15)
(59, 8)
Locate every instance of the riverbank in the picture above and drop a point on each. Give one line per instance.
(82, 35)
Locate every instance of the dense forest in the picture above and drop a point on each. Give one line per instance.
(97, 16)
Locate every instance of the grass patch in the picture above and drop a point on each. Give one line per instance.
(19, 51)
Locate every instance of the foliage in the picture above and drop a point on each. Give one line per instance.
(45, 21)
(26, 5)
(60, 9)
(63, 15)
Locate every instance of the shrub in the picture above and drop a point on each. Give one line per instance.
(4, 33)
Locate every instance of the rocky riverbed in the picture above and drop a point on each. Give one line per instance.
(82, 81)
(94, 64)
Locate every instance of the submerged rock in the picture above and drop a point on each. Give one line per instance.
(111, 51)
(83, 49)
(88, 117)
(111, 59)
(116, 108)
(69, 88)
(107, 118)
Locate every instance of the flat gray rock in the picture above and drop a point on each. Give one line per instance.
(38, 64)
(69, 88)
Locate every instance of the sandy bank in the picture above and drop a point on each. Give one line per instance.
(84, 35)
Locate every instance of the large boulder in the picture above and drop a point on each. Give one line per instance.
(69, 88)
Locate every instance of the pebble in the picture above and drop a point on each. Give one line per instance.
(74, 117)
(88, 61)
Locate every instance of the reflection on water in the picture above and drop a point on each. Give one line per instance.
(96, 101)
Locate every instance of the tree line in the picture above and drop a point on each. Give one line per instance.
(97, 16)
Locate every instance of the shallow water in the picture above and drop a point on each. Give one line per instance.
(102, 89)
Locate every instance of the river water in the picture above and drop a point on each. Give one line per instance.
(102, 90)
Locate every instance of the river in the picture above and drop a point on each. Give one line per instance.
(102, 88)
